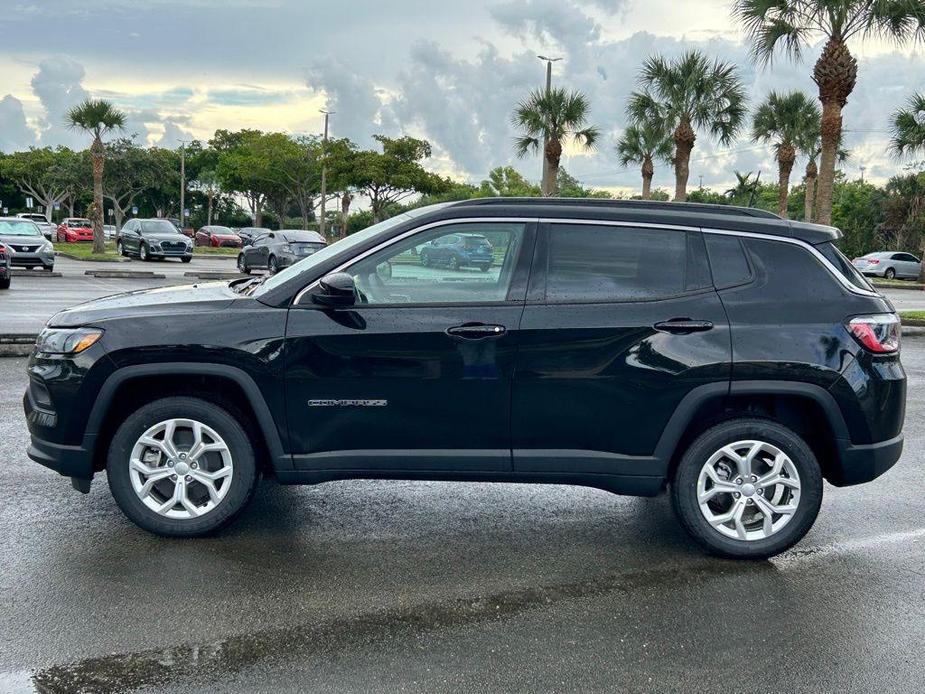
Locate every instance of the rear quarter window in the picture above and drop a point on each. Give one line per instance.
(728, 261)
(843, 265)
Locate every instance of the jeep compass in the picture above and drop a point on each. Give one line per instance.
(732, 358)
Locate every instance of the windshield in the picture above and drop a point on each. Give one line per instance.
(320, 256)
(221, 231)
(158, 226)
(79, 223)
(23, 228)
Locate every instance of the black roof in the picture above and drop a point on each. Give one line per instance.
(722, 217)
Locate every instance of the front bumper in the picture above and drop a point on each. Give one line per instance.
(46, 259)
(70, 461)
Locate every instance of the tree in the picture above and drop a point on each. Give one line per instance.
(907, 127)
(570, 187)
(207, 183)
(785, 120)
(240, 170)
(130, 170)
(554, 117)
(395, 173)
(687, 94)
(795, 24)
(292, 167)
(42, 174)
(643, 143)
(97, 118)
(744, 189)
(507, 182)
(810, 145)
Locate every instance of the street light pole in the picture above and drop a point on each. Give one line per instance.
(324, 173)
(547, 187)
(182, 182)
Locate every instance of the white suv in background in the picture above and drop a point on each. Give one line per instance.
(46, 227)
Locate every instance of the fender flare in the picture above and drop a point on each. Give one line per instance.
(265, 421)
(687, 409)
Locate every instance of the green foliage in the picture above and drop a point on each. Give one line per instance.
(569, 187)
(95, 117)
(555, 115)
(506, 181)
(644, 141)
(786, 119)
(908, 128)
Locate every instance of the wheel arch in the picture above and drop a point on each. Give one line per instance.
(222, 384)
(808, 409)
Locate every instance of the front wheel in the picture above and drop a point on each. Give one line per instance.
(242, 265)
(120, 249)
(181, 467)
(453, 263)
(747, 489)
(273, 265)
(5, 283)
(143, 252)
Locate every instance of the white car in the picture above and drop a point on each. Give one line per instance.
(47, 229)
(889, 264)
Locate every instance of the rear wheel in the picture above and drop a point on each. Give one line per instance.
(181, 467)
(747, 488)
(890, 274)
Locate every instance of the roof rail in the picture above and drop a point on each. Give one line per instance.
(706, 208)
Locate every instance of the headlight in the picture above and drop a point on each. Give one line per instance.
(67, 340)
(46, 248)
(287, 248)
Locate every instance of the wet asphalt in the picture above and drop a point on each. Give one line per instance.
(438, 587)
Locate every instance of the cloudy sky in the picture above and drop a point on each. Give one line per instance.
(449, 71)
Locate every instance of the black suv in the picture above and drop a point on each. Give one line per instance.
(733, 356)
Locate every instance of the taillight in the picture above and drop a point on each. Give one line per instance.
(873, 262)
(878, 333)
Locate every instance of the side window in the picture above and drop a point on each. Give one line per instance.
(898, 256)
(727, 261)
(410, 272)
(608, 263)
(259, 240)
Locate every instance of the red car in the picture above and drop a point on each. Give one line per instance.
(74, 229)
(217, 236)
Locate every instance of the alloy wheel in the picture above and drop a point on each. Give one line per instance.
(748, 490)
(181, 468)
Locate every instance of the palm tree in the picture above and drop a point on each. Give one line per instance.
(795, 24)
(553, 117)
(810, 146)
(688, 94)
(642, 143)
(785, 120)
(908, 127)
(744, 188)
(97, 118)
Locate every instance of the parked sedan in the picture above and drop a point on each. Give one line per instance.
(4, 267)
(248, 234)
(74, 229)
(46, 227)
(150, 239)
(25, 245)
(889, 264)
(274, 250)
(217, 236)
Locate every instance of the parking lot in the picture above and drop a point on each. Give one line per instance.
(415, 586)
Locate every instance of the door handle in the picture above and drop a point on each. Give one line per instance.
(683, 326)
(476, 331)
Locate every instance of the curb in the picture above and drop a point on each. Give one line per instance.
(129, 274)
(33, 273)
(16, 345)
(908, 286)
(117, 259)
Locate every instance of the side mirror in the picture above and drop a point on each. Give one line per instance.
(335, 290)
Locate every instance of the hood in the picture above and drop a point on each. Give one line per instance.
(166, 236)
(230, 237)
(206, 297)
(13, 240)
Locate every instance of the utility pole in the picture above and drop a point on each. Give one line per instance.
(863, 169)
(182, 183)
(547, 185)
(324, 172)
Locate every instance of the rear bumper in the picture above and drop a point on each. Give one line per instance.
(865, 462)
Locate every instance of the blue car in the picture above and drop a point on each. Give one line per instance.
(458, 250)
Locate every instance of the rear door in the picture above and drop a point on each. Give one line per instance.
(621, 323)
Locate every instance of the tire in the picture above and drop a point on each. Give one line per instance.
(425, 259)
(187, 258)
(234, 499)
(5, 283)
(687, 478)
(242, 265)
(143, 253)
(453, 263)
(484, 268)
(120, 249)
(30, 267)
(890, 274)
(273, 265)
(49, 268)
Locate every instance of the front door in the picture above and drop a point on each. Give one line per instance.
(620, 324)
(417, 375)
